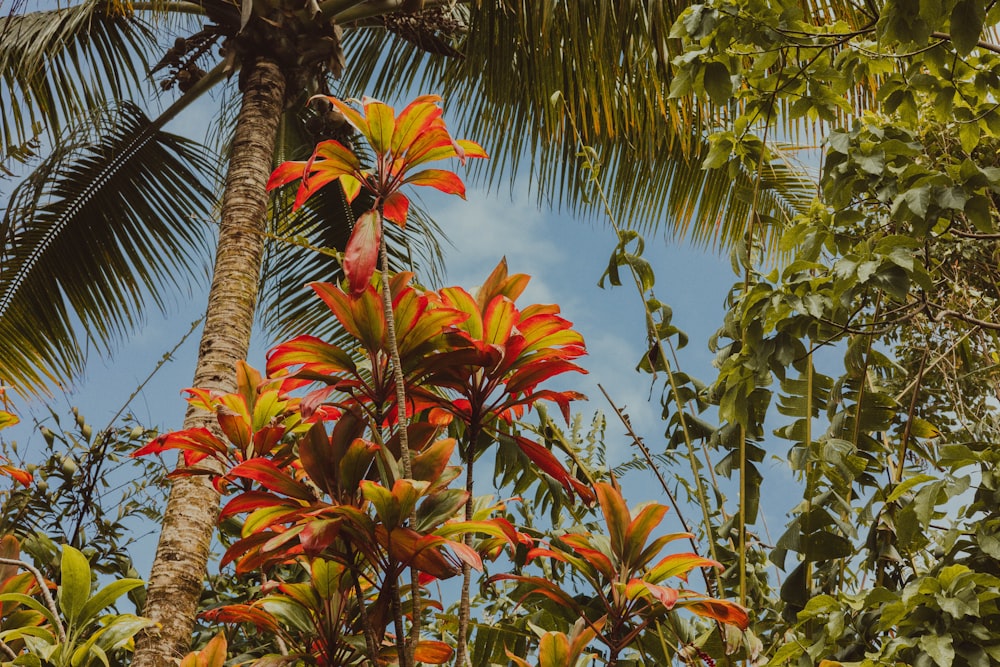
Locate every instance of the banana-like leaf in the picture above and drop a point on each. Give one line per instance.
(62, 65)
(93, 236)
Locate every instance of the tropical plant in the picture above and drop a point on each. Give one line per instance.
(339, 504)
(86, 492)
(74, 629)
(123, 190)
(622, 600)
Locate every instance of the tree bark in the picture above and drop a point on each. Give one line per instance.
(180, 566)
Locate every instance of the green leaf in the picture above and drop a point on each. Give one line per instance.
(977, 210)
(967, 25)
(787, 652)
(327, 577)
(908, 484)
(74, 590)
(822, 545)
(291, 613)
(105, 597)
(938, 647)
(718, 82)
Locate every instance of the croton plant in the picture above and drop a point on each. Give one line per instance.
(311, 451)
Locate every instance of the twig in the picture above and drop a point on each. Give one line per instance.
(663, 483)
(49, 602)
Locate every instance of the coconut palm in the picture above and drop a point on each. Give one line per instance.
(116, 212)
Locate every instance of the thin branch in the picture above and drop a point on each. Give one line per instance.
(406, 649)
(970, 235)
(989, 46)
(49, 602)
(8, 650)
(905, 440)
(968, 319)
(663, 483)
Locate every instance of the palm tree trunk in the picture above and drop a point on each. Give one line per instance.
(189, 521)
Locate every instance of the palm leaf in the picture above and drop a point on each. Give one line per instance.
(610, 64)
(91, 237)
(61, 65)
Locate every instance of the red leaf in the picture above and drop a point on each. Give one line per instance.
(286, 173)
(253, 500)
(361, 253)
(314, 354)
(267, 473)
(723, 611)
(242, 613)
(551, 466)
(395, 207)
(441, 179)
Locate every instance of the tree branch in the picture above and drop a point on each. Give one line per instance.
(989, 46)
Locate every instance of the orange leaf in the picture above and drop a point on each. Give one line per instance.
(286, 173)
(432, 652)
(414, 120)
(442, 179)
(678, 565)
(616, 515)
(395, 207)
(723, 611)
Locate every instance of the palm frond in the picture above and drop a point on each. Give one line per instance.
(531, 68)
(91, 237)
(60, 65)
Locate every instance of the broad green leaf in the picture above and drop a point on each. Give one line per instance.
(327, 577)
(74, 589)
(967, 19)
(718, 83)
(106, 596)
(939, 648)
(290, 612)
(906, 485)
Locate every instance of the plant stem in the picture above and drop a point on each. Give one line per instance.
(465, 605)
(49, 602)
(663, 483)
(402, 424)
